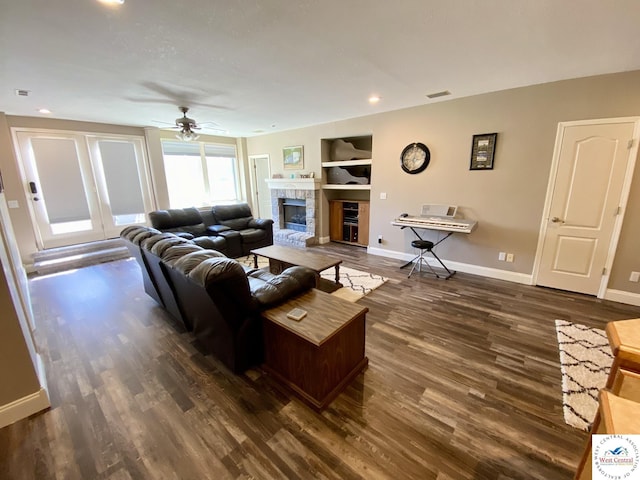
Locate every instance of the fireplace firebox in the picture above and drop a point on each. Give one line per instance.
(294, 214)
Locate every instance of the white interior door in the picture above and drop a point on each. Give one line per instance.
(593, 161)
(260, 172)
(82, 187)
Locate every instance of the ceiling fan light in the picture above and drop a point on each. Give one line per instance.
(187, 136)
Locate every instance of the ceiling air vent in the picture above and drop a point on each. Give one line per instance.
(22, 93)
(443, 93)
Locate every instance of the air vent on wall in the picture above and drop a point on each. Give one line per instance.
(443, 93)
(22, 93)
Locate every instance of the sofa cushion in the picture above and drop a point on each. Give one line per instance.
(251, 235)
(138, 237)
(269, 290)
(191, 260)
(158, 248)
(178, 220)
(236, 217)
(172, 254)
(211, 243)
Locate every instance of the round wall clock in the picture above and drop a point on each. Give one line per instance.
(415, 158)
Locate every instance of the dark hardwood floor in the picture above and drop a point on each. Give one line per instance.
(463, 382)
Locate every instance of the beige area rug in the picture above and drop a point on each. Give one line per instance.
(585, 360)
(356, 284)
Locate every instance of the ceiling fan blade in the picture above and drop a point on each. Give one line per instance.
(163, 123)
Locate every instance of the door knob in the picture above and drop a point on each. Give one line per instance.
(557, 220)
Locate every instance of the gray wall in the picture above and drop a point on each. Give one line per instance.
(507, 201)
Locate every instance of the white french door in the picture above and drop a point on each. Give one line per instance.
(82, 187)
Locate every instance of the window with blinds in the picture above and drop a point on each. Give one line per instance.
(200, 174)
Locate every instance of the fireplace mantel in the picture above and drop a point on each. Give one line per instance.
(294, 183)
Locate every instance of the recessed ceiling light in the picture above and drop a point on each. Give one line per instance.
(44, 110)
(112, 2)
(373, 99)
(443, 93)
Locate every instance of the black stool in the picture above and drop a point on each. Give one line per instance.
(426, 246)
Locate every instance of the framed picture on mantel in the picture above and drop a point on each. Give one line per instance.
(483, 148)
(293, 157)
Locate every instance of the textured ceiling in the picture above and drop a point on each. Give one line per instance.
(269, 65)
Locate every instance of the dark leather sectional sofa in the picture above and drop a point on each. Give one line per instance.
(211, 295)
(234, 226)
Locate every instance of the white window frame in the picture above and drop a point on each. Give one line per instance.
(205, 174)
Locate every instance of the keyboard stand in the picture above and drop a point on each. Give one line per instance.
(450, 273)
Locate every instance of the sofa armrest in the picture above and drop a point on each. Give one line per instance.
(281, 287)
(217, 229)
(261, 223)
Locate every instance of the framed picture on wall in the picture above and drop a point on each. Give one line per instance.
(293, 157)
(483, 148)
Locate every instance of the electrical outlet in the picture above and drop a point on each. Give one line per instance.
(635, 277)
(383, 195)
(379, 238)
(509, 257)
(502, 256)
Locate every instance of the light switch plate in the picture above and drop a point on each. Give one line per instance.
(13, 204)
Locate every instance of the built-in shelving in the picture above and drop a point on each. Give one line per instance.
(335, 186)
(349, 221)
(347, 163)
(344, 187)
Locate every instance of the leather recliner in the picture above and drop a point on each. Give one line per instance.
(134, 235)
(223, 303)
(147, 246)
(216, 297)
(188, 223)
(236, 223)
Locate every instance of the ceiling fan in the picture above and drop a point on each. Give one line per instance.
(186, 126)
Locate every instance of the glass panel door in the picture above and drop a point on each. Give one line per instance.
(83, 187)
(122, 181)
(60, 183)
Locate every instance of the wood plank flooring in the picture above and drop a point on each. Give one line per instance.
(463, 383)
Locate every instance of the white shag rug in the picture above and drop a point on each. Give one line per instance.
(355, 284)
(585, 361)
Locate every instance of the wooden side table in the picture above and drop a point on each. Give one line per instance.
(318, 356)
(624, 338)
(622, 400)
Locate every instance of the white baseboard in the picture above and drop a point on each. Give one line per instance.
(24, 407)
(620, 296)
(623, 297)
(41, 374)
(516, 277)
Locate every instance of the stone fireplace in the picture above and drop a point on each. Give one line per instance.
(294, 209)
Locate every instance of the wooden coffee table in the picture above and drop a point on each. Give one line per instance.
(318, 356)
(281, 257)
